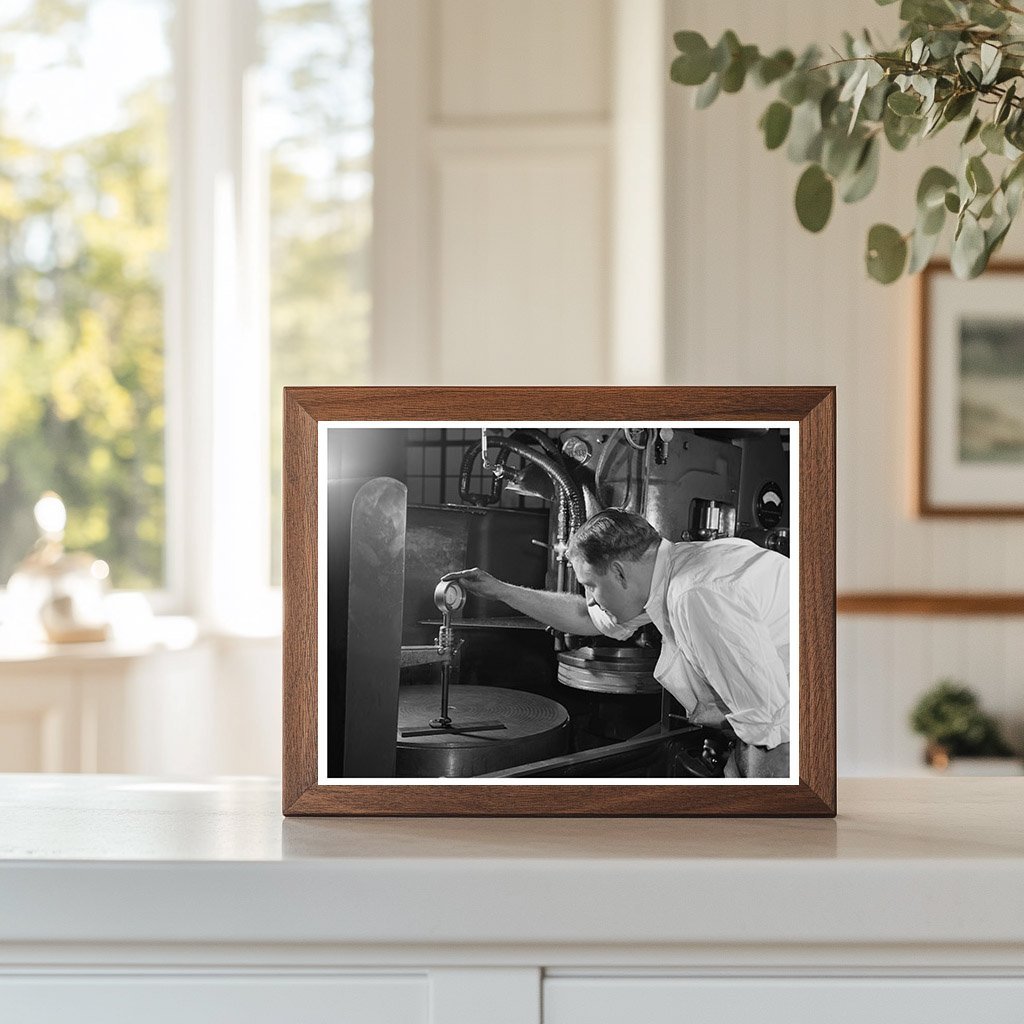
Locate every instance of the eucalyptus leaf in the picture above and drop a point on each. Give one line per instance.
(958, 105)
(735, 74)
(922, 247)
(968, 247)
(931, 190)
(1004, 106)
(805, 133)
(794, 88)
(973, 129)
(775, 124)
(865, 173)
(993, 138)
(725, 50)
(886, 253)
(771, 69)
(952, 202)
(987, 15)
(932, 221)
(978, 176)
(707, 93)
(991, 60)
(814, 194)
(903, 103)
(840, 152)
(873, 106)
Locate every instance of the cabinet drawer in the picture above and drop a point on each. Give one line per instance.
(202, 999)
(625, 1000)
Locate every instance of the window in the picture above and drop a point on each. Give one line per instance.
(185, 221)
(317, 118)
(83, 237)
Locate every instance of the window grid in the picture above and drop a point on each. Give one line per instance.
(433, 463)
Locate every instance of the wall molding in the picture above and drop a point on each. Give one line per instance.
(929, 603)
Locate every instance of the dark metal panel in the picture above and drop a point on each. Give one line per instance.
(376, 582)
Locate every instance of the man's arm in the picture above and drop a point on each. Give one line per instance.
(565, 612)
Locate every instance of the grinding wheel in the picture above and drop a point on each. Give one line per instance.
(535, 728)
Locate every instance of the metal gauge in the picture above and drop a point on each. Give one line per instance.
(449, 596)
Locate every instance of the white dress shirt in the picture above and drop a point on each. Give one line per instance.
(722, 608)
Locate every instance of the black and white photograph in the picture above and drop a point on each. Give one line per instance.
(528, 602)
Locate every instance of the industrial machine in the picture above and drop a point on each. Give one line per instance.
(477, 691)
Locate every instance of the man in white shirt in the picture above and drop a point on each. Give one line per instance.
(722, 608)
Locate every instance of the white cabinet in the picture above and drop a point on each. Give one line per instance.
(824, 1000)
(131, 898)
(217, 1000)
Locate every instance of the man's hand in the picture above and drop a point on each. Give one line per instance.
(564, 612)
(476, 581)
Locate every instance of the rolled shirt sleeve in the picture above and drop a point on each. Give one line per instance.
(736, 654)
(609, 627)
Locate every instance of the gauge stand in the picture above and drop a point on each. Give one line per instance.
(448, 597)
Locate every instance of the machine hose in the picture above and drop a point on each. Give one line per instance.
(567, 487)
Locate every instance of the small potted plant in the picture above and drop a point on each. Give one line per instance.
(950, 718)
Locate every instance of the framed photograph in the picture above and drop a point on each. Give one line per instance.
(559, 601)
(970, 444)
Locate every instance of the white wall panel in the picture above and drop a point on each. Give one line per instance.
(530, 58)
(752, 298)
(522, 296)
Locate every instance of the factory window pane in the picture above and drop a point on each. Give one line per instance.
(83, 242)
(317, 123)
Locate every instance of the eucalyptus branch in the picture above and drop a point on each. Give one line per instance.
(833, 117)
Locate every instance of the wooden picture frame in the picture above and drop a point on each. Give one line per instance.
(310, 412)
(969, 448)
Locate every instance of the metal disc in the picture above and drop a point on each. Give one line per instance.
(535, 728)
(611, 674)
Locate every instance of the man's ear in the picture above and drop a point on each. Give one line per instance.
(618, 573)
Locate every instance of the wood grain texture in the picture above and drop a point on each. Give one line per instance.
(922, 503)
(812, 407)
(299, 597)
(925, 603)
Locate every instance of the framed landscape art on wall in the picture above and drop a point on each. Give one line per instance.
(970, 444)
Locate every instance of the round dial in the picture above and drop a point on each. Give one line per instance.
(449, 596)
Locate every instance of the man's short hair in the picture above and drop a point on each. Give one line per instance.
(612, 534)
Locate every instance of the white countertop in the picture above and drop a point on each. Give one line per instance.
(124, 859)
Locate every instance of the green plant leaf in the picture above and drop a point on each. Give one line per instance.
(865, 173)
(922, 247)
(931, 191)
(958, 105)
(887, 253)
(993, 138)
(805, 133)
(771, 69)
(973, 130)
(991, 60)
(735, 74)
(968, 248)
(794, 89)
(987, 15)
(814, 194)
(707, 93)
(775, 124)
(952, 202)
(978, 176)
(1004, 106)
(840, 152)
(904, 103)
(725, 50)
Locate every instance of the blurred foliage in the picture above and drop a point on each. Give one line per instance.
(949, 716)
(83, 237)
(956, 61)
(82, 229)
